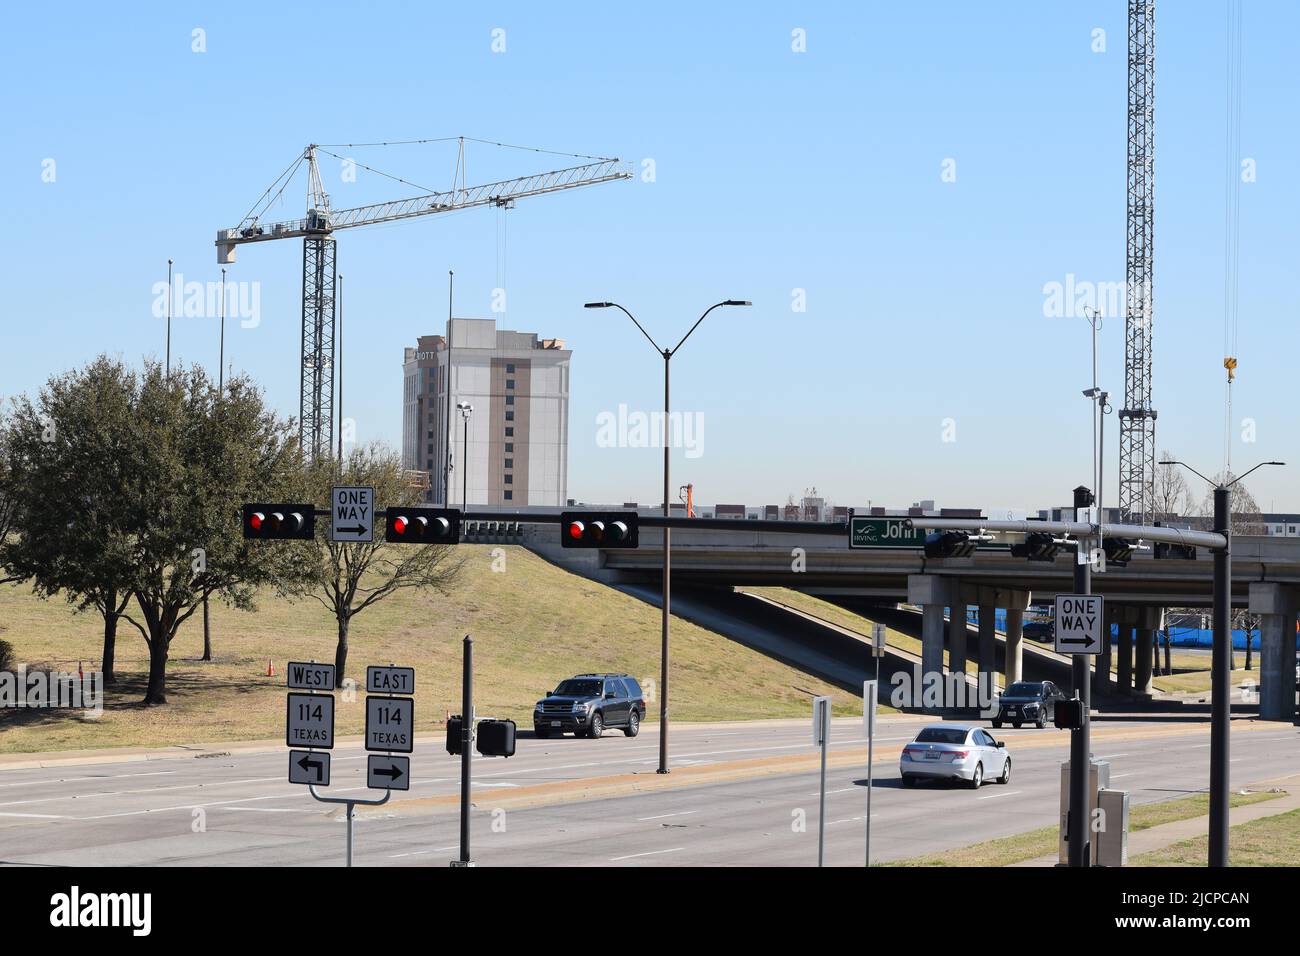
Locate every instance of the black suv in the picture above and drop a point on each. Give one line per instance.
(1028, 702)
(585, 705)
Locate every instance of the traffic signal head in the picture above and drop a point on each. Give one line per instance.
(1118, 550)
(1068, 714)
(948, 544)
(280, 522)
(422, 525)
(454, 728)
(495, 738)
(1083, 497)
(1038, 546)
(598, 529)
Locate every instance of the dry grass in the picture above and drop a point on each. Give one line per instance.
(1269, 841)
(532, 625)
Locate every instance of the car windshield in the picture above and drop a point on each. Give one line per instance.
(941, 735)
(1023, 689)
(578, 688)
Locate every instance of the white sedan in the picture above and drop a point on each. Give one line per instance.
(955, 752)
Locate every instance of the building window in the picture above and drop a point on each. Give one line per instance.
(510, 446)
(510, 463)
(510, 369)
(510, 383)
(510, 496)
(430, 451)
(510, 432)
(510, 479)
(510, 414)
(510, 399)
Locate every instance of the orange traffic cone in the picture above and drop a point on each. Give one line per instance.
(270, 668)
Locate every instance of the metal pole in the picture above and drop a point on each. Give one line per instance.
(169, 318)
(821, 812)
(339, 350)
(464, 466)
(221, 348)
(351, 807)
(871, 744)
(1220, 681)
(1080, 744)
(663, 647)
(466, 745)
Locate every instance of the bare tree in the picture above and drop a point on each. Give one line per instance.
(352, 577)
(1245, 518)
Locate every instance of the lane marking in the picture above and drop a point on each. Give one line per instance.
(633, 856)
(994, 796)
(660, 816)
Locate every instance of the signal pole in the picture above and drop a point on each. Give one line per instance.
(1080, 743)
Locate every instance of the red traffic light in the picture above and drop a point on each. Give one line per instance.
(576, 530)
(599, 529)
(417, 525)
(284, 522)
(400, 523)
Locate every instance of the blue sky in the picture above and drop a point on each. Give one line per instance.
(775, 171)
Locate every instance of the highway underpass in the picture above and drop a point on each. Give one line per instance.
(1265, 579)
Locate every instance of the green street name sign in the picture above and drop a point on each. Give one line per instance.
(884, 533)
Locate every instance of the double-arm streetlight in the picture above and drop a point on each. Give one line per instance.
(1220, 671)
(667, 355)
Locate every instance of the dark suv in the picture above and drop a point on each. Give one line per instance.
(1028, 702)
(585, 705)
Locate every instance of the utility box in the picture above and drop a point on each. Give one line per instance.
(1111, 843)
(1100, 780)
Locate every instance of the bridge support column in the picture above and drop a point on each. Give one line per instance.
(957, 634)
(1015, 639)
(931, 593)
(1124, 666)
(1145, 650)
(1276, 606)
(988, 644)
(1101, 685)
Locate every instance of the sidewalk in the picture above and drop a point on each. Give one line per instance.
(1167, 834)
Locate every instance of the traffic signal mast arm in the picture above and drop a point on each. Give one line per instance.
(1077, 529)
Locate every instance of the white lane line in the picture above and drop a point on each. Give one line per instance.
(1112, 756)
(660, 816)
(267, 809)
(818, 793)
(480, 783)
(1117, 776)
(37, 816)
(994, 796)
(633, 856)
(116, 776)
(122, 793)
(436, 849)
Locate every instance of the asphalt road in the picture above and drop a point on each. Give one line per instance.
(238, 809)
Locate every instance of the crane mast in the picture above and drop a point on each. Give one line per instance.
(1137, 436)
(319, 260)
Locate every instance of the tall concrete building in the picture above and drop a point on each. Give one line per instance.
(518, 443)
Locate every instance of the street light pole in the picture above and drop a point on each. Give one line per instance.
(1220, 663)
(667, 355)
(1080, 739)
(466, 409)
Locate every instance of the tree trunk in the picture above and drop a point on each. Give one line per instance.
(341, 652)
(207, 633)
(1250, 633)
(157, 690)
(110, 643)
(1169, 660)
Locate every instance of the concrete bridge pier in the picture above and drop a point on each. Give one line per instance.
(1124, 648)
(957, 633)
(1014, 663)
(932, 594)
(1148, 618)
(1101, 685)
(1276, 606)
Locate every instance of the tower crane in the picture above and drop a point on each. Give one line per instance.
(317, 228)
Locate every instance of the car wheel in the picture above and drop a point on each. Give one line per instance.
(541, 732)
(633, 725)
(978, 777)
(1006, 772)
(597, 726)
(997, 724)
(909, 780)
(1015, 724)
(1041, 722)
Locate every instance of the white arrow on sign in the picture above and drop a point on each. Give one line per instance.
(352, 513)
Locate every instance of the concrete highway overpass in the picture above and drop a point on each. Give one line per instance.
(1265, 579)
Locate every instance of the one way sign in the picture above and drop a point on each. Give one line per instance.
(1080, 623)
(352, 513)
